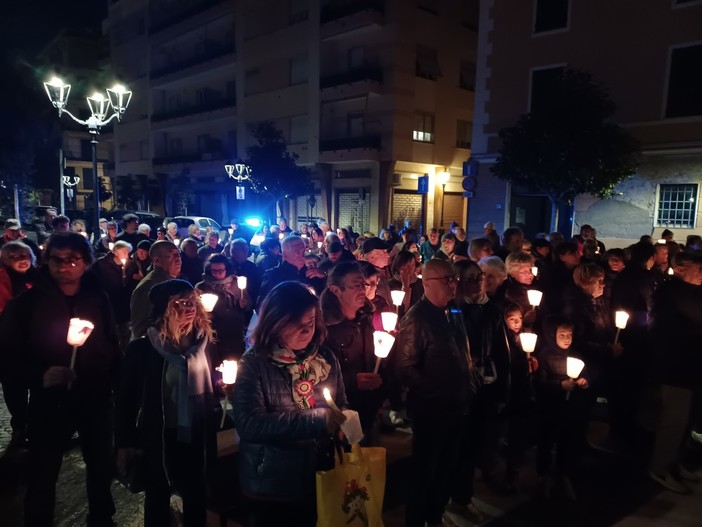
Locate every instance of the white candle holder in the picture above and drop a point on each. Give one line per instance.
(209, 300)
(241, 282)
(620, 320)
(229, 369)
(389, 320)
(78, 332)
(535, 271)
(383, 343)
(528, 341)
(397, 297)
(574, 368)
(534, 297)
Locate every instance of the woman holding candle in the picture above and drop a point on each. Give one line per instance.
(282, 418)
(229, 313)
(166, 405)
(404, 270)
(347, 314)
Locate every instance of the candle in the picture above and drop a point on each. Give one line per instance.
(319, 245)
(110, 246)
(124, 270)
(330, 401)
(670, 271)
(176, 242)
(389, 320)
(383, 344)
(535, 271)
(397, 297)
(78, 332)
(303, 236)
(573, 369)
(620, 320)
(103, 235)
(662, 241)
(229, 370)
(281, 236)
(528, 341)
(241, 282)
(208, 301)
(231, 231)
(534, 297)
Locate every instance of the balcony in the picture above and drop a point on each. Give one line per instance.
(350, 77)
(359, 148)
(164, 15)
(194, 110)
(212, 51)
(356, 17)
(351, 84)
(197, 157)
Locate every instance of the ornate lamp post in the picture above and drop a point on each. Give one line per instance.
(240, 172)
(116, 103)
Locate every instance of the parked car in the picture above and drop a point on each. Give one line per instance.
(184, 222)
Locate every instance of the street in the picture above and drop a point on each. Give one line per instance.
(612, 491)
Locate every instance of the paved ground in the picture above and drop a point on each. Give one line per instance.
(613, 491)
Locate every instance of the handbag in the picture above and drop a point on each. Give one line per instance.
(352, 492)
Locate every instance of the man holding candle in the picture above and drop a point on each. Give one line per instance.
(433, 361)
(242, 266)
(64, 291)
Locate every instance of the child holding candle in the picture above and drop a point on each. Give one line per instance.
(563, 418)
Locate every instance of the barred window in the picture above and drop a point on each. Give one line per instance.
(677, 205)
(423, 127)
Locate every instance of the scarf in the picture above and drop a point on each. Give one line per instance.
(194, 381)
(226, 287)
(306, 369)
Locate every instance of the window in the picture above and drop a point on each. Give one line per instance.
(427, 65)
(467, 76)
(423, 127)
(685, 82)
(544, 85)
(464, 129)
(551, 15)
(298, 129)
(677, 205)
(354, 124)
(298, 70)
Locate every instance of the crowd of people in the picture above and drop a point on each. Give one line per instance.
(481, 370)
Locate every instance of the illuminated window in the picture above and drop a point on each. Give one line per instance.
(677, 205)
(423, 127)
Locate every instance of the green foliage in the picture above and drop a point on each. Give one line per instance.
(567, 147)
(274, 170)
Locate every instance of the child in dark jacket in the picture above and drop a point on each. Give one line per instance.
(564, 405)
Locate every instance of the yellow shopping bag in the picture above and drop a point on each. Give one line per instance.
(352, 493)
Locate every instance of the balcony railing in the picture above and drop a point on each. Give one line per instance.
(170, 159)
(333, 12)
(195, 109)
(362, 74)
(212, 51)
(164, 15)
(350, 143)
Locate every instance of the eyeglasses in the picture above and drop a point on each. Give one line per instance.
(19, 257)
(371, 285)
(446, 280)
(217, 271)
(58, 261)
(184, 303)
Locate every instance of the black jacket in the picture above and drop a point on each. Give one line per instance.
(118, 286)
(433, 361)
(283, 273)
(279, 450)
(34, 327)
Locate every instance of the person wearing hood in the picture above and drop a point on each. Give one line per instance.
(347, 315)
(230, 311)
(564, 406)
(65, 395)
(166, 406)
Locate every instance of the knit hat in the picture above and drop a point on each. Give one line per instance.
(144, 244)
(161, 293)
(12, 225)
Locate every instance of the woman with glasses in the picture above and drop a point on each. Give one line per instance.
(285, 424)
(229, 313)
(17, 274)
(166, 404)
(347, 314)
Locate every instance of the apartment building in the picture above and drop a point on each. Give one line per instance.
(78, 58)
(372, 95)
(647, 53)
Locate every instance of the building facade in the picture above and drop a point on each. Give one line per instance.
(647, 53)
(370, 94)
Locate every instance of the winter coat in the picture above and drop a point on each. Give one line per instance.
(118, 286)
(281, 445)
(140, 305)
(12, 284)
(283, 273)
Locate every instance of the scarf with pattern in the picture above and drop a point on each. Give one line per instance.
(306, 369)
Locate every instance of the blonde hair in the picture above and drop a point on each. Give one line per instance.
(169, 330)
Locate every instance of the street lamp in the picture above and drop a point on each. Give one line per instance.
(100, 106)
(443, 179)
(240, 172)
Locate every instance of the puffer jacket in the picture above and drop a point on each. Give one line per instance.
(281, 444)
(433, 361)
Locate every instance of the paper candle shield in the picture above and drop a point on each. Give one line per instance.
(528, 341)
(208, 301)
(535, 271)
(534, 297)
(397, 297)
(79, 331)
(241, 282)
(620, 319)
(176, 242)
(228, 369)
(574, 367)
(389, 320)
(383, 343)
(110, 246)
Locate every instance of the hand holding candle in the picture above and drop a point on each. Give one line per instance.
(228, 368)
(383, 344)
(328, 398)
(574, 368)
(241, 282)
(620, 320)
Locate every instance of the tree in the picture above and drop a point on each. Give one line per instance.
(274, 170)
(566, 146)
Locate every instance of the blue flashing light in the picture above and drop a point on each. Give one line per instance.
(253, 222)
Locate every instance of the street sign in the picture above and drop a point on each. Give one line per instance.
(423, 184)
(470, 168)
(467, 194)
(240, 192)
(469, 183)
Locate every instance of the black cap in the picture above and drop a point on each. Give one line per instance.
(371, 244)
(130, 217)
(334, 247)
(161, 293)
(144, 244)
